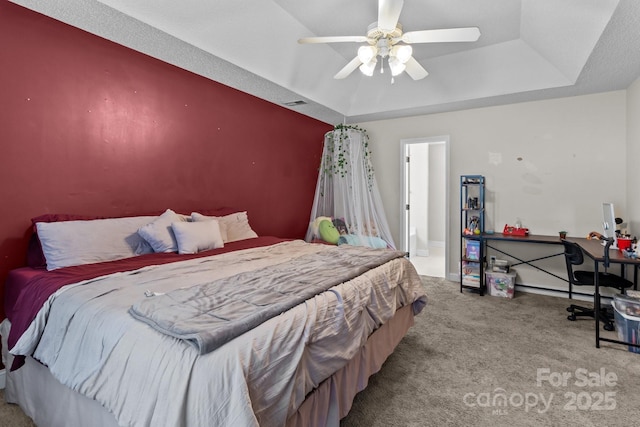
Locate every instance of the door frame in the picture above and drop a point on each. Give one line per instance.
(404, 170)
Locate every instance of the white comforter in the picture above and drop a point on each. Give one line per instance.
(91, 344)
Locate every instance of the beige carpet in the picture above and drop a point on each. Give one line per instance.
(466, 352)
(12, 415)
(475, 361)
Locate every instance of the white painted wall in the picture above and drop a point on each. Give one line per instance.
(633, 156)
(548, 163)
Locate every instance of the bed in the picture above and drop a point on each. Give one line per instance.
(219, 326)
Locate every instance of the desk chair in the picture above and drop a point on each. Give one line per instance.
(574, 257)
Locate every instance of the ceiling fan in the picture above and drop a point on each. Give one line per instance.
(385, 39)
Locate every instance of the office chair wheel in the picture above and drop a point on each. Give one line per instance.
(570, 310)
(571, 317)
(609, 327)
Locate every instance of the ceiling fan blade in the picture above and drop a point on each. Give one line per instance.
(388, 14)
(348, 69)
(415, 70)
(335, 39)
(469, 34)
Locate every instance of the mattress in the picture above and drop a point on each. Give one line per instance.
(262, 377)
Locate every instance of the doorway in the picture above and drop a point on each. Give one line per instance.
(425, 203)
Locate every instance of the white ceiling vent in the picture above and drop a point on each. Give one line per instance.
(294, 103)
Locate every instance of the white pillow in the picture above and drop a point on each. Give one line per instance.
(193, 237)
(67, 243)
(236, 224)
(196, 217)
(159, 233)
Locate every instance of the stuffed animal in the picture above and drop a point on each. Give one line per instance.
(323, 228)
(341, 226)
(315, 224)
(328, 232)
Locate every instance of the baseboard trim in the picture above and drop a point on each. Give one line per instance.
(3, 378)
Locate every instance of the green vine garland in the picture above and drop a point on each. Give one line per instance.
(339, 167)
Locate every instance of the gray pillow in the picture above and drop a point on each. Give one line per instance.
(159, 233)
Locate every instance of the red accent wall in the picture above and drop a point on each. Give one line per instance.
(90, 127)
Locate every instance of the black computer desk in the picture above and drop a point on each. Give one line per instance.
(595, 250)
(487, 238)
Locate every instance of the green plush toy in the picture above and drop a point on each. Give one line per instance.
(328, 232)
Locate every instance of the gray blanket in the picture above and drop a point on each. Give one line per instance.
(211, 314)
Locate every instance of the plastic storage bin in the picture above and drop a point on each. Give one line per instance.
(501, 284)
(627, 316)
(627, 304)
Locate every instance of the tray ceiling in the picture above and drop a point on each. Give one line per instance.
(528, 49)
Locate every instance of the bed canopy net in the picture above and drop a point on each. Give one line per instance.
(347, 208)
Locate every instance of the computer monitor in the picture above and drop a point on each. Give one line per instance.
(609, 222)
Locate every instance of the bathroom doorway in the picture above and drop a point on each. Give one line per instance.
(425, 203)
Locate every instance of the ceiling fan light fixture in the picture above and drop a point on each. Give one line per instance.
(384, 38)
(396, 66)
(402, 52)
(367, 53)
(368, 67)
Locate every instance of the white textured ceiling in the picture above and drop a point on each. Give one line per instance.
(528, 49)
